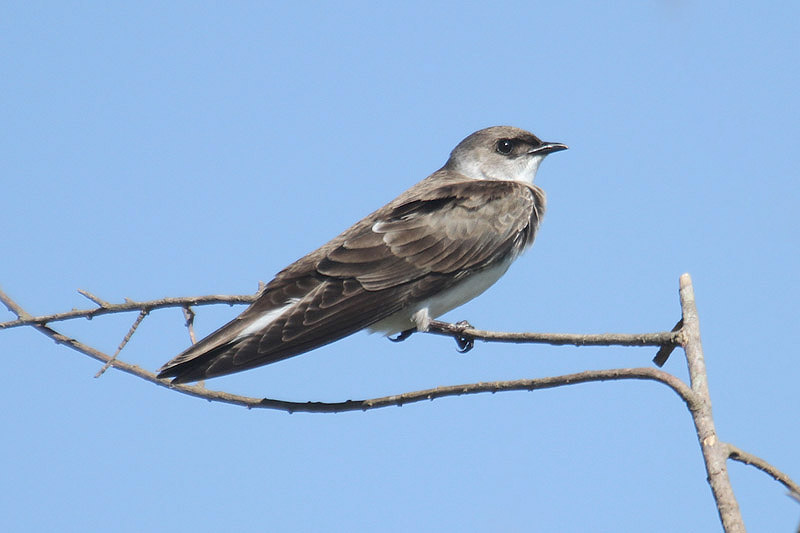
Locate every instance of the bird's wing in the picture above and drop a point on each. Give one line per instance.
(424, 242)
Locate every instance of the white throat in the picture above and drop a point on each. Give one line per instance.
(521, 169)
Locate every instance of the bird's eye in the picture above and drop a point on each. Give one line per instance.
(504, 146)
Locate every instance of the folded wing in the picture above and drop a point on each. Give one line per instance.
(427, 240)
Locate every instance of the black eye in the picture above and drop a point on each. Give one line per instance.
(504, 146)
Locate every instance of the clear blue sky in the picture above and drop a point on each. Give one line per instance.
(153, 149)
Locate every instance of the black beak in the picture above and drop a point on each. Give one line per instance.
(547, 148)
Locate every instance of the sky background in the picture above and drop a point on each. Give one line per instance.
(151, 150)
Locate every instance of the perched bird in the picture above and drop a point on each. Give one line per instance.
(436, 246)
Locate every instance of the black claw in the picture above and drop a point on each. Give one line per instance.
(403, 335)
(465, 344)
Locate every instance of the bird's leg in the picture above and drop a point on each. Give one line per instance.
(403, 335)
(422, 319)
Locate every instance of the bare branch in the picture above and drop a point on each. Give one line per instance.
(686, 334)
(142, 314)
(386, 401)
(665, 338)
(715, 452)
(742, 456)
(363, 405)
(14, 307)
(475, 388)
(128, 306)
(96, 299)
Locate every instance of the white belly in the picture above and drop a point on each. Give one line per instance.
(443, 302)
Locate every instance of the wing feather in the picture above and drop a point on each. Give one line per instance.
(427, 240)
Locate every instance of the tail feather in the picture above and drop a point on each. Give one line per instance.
(190, 364)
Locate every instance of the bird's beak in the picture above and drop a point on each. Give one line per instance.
(548, 148)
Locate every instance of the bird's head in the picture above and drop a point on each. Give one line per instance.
(501, 153)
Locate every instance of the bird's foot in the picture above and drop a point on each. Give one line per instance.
(403, 335)
(464, 342)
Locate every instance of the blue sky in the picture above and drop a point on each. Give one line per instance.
(153, 150)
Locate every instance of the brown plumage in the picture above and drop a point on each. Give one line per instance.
(389, 265)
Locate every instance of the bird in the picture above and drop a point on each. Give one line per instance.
(436, 246)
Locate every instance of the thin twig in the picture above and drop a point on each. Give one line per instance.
(128, 306)
(96, 299)
(664, 338)
(749, 459)
(497, 386)
(142, 314)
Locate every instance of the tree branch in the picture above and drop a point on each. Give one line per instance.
(129, 305)
(715, 452)
(686, 334)
(96, 299)
(749, 459)
(683, 391)
(142, 314)
(663, 338)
